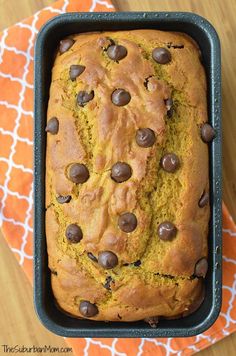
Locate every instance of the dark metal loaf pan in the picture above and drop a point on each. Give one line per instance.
(47, 41)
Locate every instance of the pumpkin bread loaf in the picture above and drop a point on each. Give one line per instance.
(127, 185)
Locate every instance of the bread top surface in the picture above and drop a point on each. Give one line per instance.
(100, 134)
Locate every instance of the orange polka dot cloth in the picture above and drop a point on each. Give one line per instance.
(16, 148)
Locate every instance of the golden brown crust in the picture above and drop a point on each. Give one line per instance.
(101, 134)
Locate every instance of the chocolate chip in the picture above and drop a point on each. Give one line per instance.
(119, 316)
(105, 42)
(74, 233)
(203, 201)
(166, 231)
(52, 126)
(92, 257)
(137, 263)
(207, 133)
(75, 71)
(169, 107)
(107, 284)
(152, 321)
(116, 52)
(54, 272)
(120, 172)
(88, 309)
(66, 44)
(107, 259)
(84, 97)
(170, 162)
(78, 173)
(127, 222)
(201, 268)
(161, 55)
(64, 199)
(120, 97)
(145, 137)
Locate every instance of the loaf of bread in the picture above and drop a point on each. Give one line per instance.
(127, 183)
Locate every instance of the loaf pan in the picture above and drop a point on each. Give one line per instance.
(47, 41)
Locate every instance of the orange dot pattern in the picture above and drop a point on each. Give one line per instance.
(16, 149)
